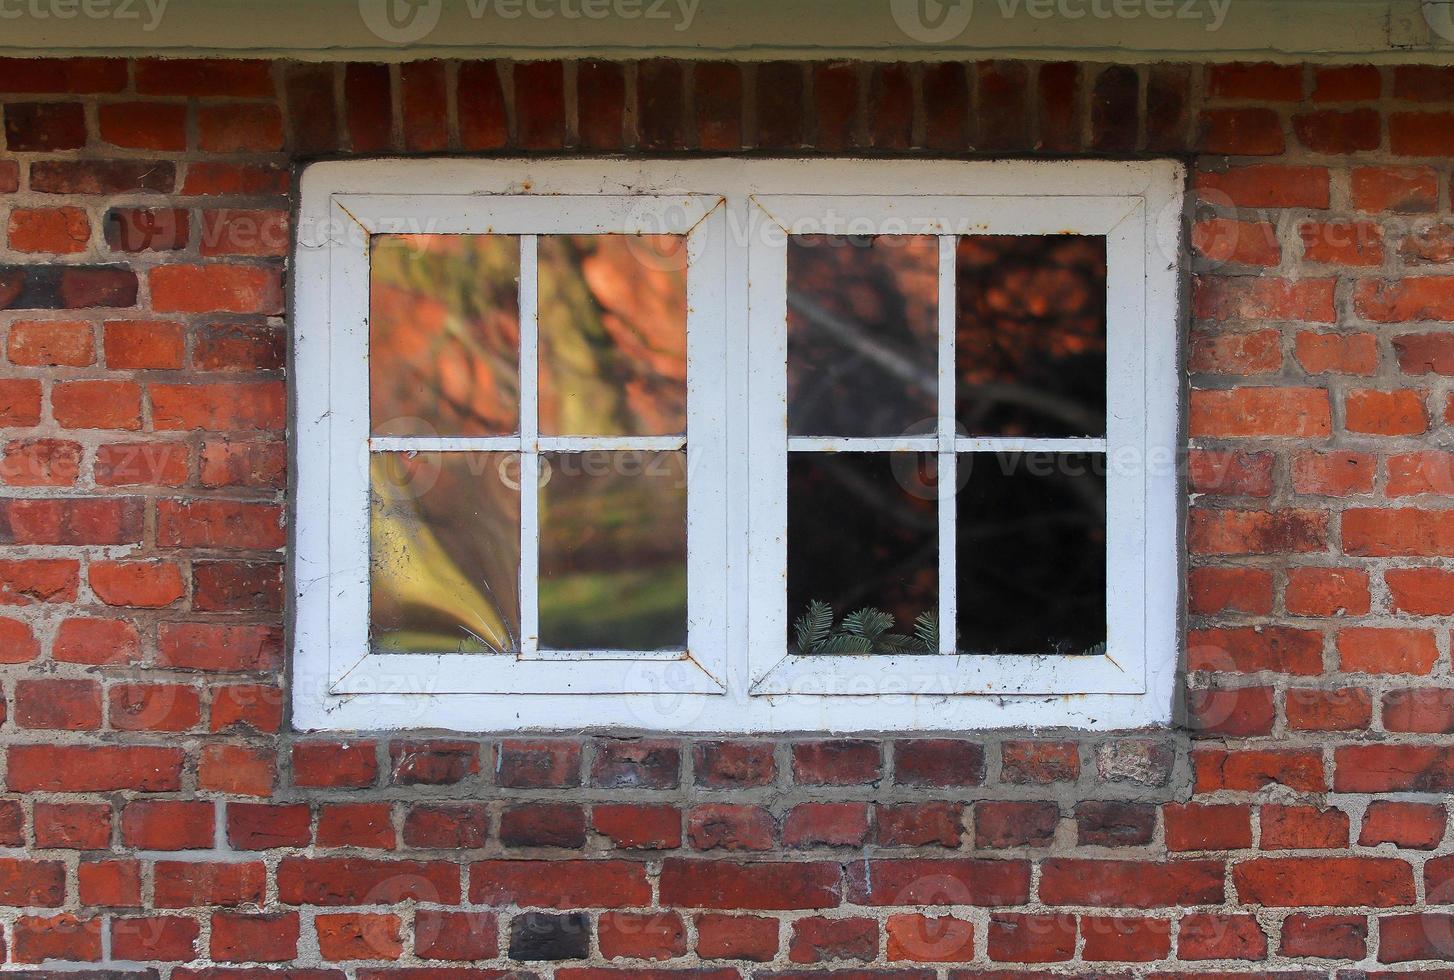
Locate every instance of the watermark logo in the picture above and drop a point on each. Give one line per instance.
(932, 21)
(401, 21)
(1439, 15)
(148, 12)
(408, 21)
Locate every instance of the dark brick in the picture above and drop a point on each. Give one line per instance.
(542, 936)
(42, 127)
(73, 287)
(780, 105)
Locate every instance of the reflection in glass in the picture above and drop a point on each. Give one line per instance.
(444, 335)
(444, 552)
(1030, 336)
(1031, 548)
(862, 323)
(613, 550)
(613, 335)
(862, 533)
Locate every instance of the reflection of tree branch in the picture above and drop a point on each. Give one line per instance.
(853, 337)
(1054, 406)
(883, 503)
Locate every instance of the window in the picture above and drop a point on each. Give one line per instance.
(800, 454)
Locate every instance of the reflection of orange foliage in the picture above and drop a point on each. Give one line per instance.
(444, 334)
(1031, 325)
(862, 322)
(613, 339)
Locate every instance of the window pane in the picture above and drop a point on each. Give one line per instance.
(862, 534)
(444, 552)
(613, 335)
(444, 335)
(1031, 547)
(862, 327)
(1030, 335)
(613, 550)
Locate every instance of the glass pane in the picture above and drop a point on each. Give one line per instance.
(444, 552)
(862, 327)
(613, 550)
(613, 335)
(444, 335)
(1031, 548)
(1030, 335)
(862, 534)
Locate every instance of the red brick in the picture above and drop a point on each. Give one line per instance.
(638, 826)
(1386, 413)
(265, 826)
(543, 825)
(482, 116)
(660, 102)
(19, 402)
(215, 647)
(729, 827)
(1374, 650)
(1241, 132)
(1395, 768)
(93, 768)
(1329, 131)
(1019, 938)
(236, 231)
(938, 762)
(71, 521)
(588, 884)
(1250, 770)
(1398, 531)
(1416, 936)
(460, 825)
(18, 644)
(1115, 109)
(189, 884)
(1411, 298)
(44, 127)
(153, 707)
(74, 826)
(718, 104)
(168, 825)
(928, 938)
(1007, 823)
(40, 463)
(458, 936)
(202, 77)
(1229, 590)
(55, 231)
(312, 99)
(736, 937)
(765, 885)
(25, 882)
(109, 883)
(238, 769)
(433, 762)
(1330, 353)
(147, 229)
(1131, 884)
(97, 405)
(216, 289)
(359, 936)
(339, 765)
(425, 104)
(816, 939)
(1324, 936)
(96, 641)
(1265, 186)
(1240, 242)
(225, 586)
(1114, 823)
(636, 764)
(938, 881)
(1300, 827)
(1333, 474)
(641, 935)
(239, 128)
(1255, 82)
(1419, 826)
(218, 179)
(248, 938)
(238, 348)
(780, 105)
(601, 103)
(1039, 762)
(1428, 353)
(843, 762)
(1205, 936)
(1261, 411)
(1238, 712)
(733, 765)
(1207, 827)
(142, 464)
(143, 584)
(355, 825)
(1339, 710)
(1240, 532)
(1421, 134)
(540, 105)
(108, 177)
(1346, 83)
(1431, 244)
(255, 707)
(243, 464)
(59, 937)
(368, 104)
(1408, 190)
(1124, 938)
(219, 524)
(1303, 881)
(826, 825)
(144, 125)
(1229, 474)
(931, 824)
(169, 938)
(1327, 592)
(1248, 650)
(62, 75)
(360, 881)
(1421, 591)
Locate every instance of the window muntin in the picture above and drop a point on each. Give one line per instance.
(731, 680)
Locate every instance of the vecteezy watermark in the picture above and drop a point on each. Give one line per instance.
(148, 12)
(941, 21)
(408, 21)
(1439, 15)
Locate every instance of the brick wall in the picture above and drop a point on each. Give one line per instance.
(157, 818)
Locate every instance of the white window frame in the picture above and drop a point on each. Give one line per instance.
(738, 674)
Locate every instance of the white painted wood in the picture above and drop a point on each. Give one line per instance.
(529, 448)
(741, 685)
(947, 460)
